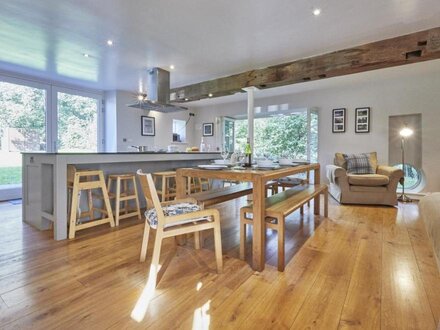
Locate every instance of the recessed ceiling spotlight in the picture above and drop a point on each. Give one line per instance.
(86, 55)
(186, 99)
(109, 42)
(316, 11)
(210, 94)
(172, 66)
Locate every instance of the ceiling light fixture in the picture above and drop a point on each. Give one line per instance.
(316, 11)
(86, 55)
(210, 94)
(172, 66)
(142, 97)
(109, 42)
(186, 99)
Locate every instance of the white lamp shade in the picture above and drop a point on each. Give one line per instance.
(406, 131)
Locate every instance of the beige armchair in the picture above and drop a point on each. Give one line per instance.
(379, 188)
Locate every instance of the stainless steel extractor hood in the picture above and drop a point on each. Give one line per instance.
(158, 93)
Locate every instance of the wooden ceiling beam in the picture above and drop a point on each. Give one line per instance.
(411, 48)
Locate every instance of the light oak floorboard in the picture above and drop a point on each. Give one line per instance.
(364, 267)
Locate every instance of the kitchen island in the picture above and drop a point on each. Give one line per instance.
(45, 179)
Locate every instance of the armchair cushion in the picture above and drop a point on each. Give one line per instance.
(358, 164)
(172, 210)
(369, 180)
(341, 162)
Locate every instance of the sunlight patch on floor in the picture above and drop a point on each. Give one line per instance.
(201, 318)
(141, 307)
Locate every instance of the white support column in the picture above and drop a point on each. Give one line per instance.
(250, 114)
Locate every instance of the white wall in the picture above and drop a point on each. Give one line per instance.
(128, 124)
(386, 94)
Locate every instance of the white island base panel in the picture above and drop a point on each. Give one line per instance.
(45, 179)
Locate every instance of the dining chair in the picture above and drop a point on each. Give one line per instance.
(173, 218)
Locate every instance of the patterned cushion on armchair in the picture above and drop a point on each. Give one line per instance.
(358, 164)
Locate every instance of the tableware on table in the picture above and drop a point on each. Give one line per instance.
(213, 167)
(265, 163)
(285, 161)
(222, 162)
(225, 154)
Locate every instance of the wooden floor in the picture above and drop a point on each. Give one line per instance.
(364, 267)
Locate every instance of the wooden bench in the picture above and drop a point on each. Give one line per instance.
(277, 208)
(220, 195)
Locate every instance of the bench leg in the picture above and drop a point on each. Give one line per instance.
(326, 203)
(302, 210)
(280, 244)
(242, 235)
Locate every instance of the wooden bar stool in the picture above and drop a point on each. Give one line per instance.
(198, 185)
(167, 180)
(123, 194)
(87, 180)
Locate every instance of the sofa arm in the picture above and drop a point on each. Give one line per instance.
(396, 175)
(334, 172)
(389, 171)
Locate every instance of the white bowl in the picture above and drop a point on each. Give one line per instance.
(285, 161)
(265, 163)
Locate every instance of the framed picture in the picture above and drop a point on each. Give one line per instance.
(338, 122)
(148, 126)
(362, 123)
(208, 129)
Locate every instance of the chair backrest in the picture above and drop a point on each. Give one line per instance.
(150, 194)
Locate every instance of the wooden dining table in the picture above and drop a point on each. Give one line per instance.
(259, 178)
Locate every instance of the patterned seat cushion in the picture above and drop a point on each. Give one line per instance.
(358, 164)
(172, 210)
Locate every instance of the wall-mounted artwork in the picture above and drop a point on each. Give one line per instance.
(148, 127)
(362, 122)
(208, 129)
(338, 122)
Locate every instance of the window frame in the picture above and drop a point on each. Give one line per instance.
(51, 111)
(100, 143)
(287, 112)
(184, 122)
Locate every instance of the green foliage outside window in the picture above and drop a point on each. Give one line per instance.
(278, 136)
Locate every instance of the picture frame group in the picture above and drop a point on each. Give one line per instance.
(362, 120)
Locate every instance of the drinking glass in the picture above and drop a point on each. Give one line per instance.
(225, 154)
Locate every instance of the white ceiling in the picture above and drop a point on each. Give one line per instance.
(203, 39)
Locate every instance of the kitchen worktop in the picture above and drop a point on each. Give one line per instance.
(45, 178)
(121, 153)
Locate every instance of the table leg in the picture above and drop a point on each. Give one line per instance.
(258, 246)
(180, 185)
(317, 180)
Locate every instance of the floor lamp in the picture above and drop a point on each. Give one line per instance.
(405, 132)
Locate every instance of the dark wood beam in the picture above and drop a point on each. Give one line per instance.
(411, 48)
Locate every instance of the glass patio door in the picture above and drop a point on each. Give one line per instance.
(23, 128)
(78, 121)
